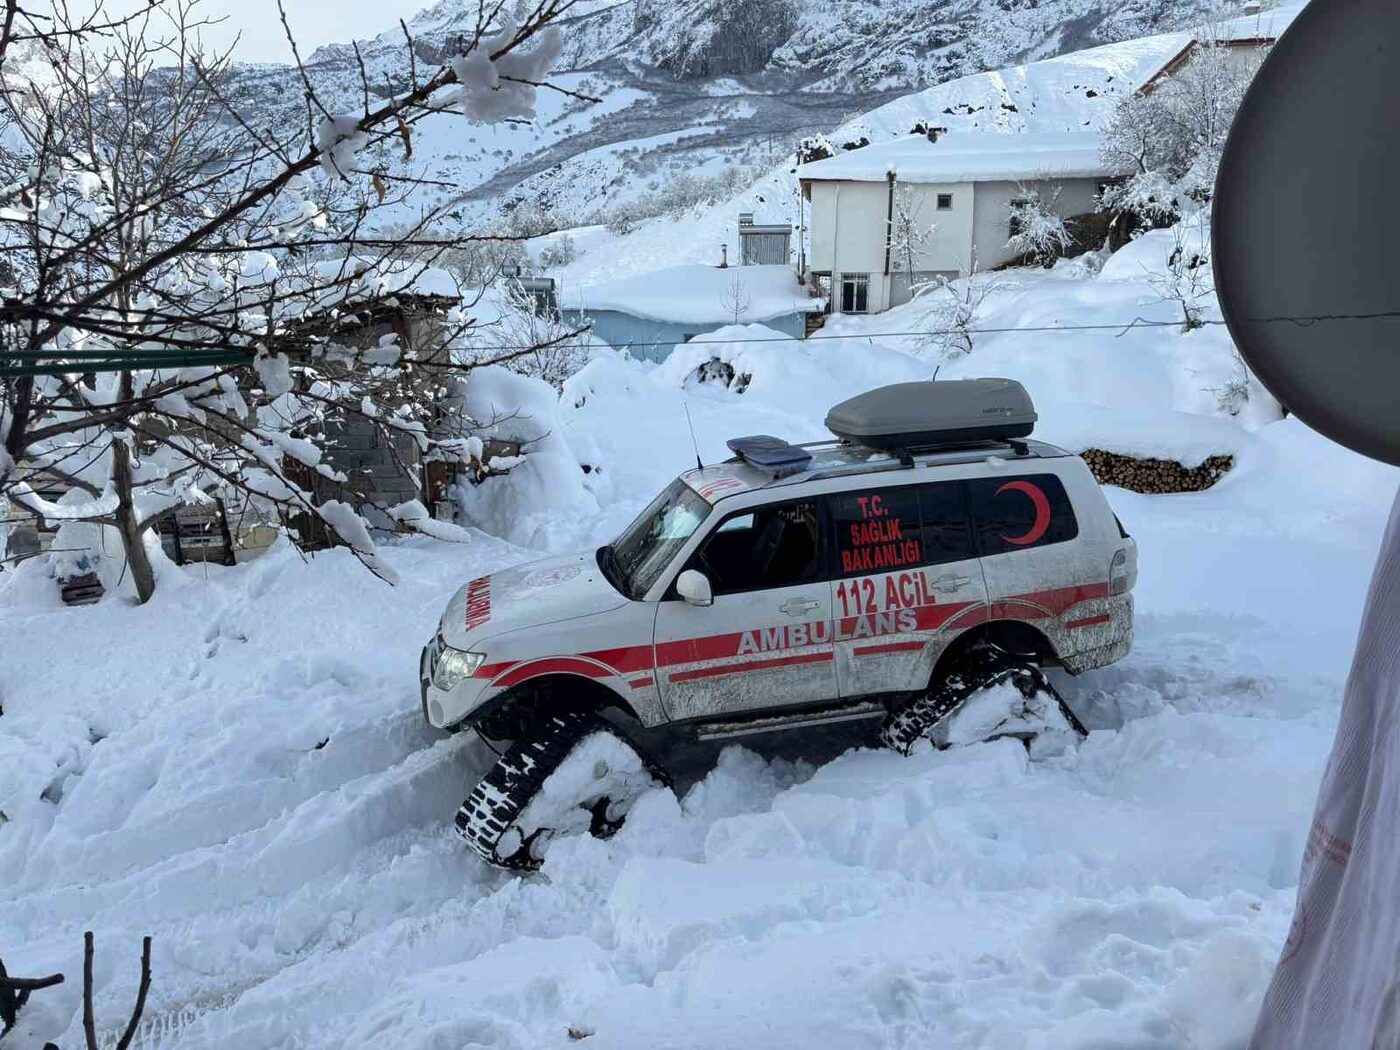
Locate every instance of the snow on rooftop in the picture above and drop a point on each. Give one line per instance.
(1267, 24)
(698, 294)
(968, 157)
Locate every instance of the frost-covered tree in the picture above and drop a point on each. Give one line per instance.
(735, 300)
(1038, 232)
(1170, 136)
(1187, 278)
(910, 232)
(950, 319)
(182, 289)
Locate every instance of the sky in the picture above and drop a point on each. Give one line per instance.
(254, 23)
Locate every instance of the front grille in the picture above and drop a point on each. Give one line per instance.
(435, 648)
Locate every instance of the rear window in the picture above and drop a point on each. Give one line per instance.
(1020, 512)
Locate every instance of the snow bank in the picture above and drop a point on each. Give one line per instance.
(544, 496)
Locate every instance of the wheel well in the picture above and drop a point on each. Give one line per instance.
(548, 692)
(1015, 636)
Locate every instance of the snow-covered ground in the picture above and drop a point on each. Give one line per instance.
(240, 770)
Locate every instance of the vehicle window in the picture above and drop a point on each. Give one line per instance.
(876, 530)
(649, 544)
(766, 547)
(946, 530)
(1018, 513)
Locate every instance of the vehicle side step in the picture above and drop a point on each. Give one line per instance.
(823, 716)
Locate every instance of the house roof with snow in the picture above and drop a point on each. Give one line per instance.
(1258, 29)
(699, 294)
(968, 157)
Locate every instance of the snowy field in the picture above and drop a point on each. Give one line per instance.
(240, 770)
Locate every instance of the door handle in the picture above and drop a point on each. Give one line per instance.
(799, 606)
(950, 583)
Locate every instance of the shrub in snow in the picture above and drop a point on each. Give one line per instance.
(1038, 233)
(950, 312)
(560, 251)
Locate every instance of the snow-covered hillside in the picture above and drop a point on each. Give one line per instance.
(677, 95)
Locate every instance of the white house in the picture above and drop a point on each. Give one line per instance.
(887, 216)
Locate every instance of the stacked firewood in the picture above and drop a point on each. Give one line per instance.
(1145, 474)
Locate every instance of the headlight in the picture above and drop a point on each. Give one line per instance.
(453, 665)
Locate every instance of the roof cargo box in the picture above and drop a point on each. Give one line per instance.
(929, 414)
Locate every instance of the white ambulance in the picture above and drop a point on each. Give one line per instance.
(921, 569)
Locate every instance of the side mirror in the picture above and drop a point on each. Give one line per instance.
(694, 588)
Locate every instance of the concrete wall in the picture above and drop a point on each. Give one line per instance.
(654, 340)
(991, 225)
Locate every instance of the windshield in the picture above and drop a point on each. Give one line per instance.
(650, 543)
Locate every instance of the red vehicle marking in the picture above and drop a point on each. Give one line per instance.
(641, 683)
(626, 660)
(552, 665)
(888, 647)
(1088, 621)
(1042, 512)
(750, 665)
(478, 602)
(602, 663)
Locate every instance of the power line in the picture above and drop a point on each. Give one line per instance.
(1123, 327)
(156, 359)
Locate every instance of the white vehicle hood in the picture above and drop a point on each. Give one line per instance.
(529, 595)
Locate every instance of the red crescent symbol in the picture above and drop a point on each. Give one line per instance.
(1042, 512)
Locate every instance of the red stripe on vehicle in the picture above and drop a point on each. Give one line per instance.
(889, 647)
(1088, 621)
(551, 665)
(749, 665)
(627, 660)
(492, 670)
(641, 683)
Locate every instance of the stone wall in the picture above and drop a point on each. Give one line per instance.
(1143, 474)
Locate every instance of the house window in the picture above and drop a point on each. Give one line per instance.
(945, 202)
(855, 293)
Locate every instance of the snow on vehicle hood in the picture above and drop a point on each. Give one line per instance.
(529, 595)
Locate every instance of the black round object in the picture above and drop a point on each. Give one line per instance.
(1307, 223)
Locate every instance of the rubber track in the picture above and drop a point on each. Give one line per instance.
(918, 718)
(507, 788)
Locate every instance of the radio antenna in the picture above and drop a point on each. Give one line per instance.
(694, 444)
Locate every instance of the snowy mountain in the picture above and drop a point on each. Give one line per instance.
(709, 88)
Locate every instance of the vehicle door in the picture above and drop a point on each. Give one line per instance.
(907, 581)
(766, 640)
(1035, 569)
